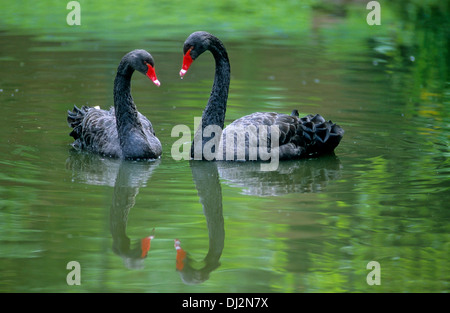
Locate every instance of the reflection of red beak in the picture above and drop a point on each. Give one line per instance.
(181, 255)
(152, 75)
(145, 245)
(187, 61)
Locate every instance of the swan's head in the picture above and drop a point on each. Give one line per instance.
(195, 44)
(142, 61)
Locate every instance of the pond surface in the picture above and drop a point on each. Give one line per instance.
(311, 226)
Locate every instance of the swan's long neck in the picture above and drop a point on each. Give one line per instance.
(126, 111)
(214, 113)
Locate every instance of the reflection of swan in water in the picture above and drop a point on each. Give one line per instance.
(301, 176)
(126, 177)
(94, 169)
(209, 190)
(291, 177)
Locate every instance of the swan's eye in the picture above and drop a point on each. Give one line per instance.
(147, 64)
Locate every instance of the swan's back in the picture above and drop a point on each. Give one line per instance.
(95, 130)
(298, 137)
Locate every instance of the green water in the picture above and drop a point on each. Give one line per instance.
(311, 226)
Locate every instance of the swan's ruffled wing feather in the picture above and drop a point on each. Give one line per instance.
(99, 132)
(298, 137)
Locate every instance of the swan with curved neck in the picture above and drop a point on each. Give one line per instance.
(297, 137)
(121, 132)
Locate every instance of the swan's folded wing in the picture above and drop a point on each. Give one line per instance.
(146, 124)
(99, 132)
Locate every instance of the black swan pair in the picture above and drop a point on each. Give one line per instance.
(123, 132)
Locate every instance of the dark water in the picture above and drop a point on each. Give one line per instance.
(311, 226)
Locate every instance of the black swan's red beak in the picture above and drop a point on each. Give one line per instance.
(152, 75)
(187, 61)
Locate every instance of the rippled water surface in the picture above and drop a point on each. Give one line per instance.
(312, 225)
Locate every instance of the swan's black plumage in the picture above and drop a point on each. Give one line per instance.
(302, 137)
(121, 132)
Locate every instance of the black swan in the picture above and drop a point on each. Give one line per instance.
(121, 132)
(297, 137)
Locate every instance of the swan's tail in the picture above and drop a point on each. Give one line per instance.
(320, 136)
(75, 119)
